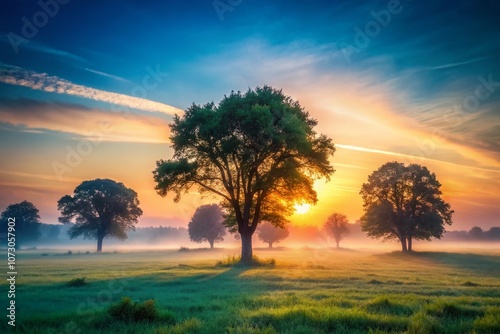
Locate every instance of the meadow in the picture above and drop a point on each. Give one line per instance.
(300, 291)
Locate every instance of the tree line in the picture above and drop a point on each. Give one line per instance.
(259, 153)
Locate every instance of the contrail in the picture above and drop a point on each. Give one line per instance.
(371, 150)
(18, 76)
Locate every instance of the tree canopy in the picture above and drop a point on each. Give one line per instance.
(101, 208)
(206, 225)
(27, 222)
(271, 234)
(404, 202)
(337, 225)
(257, 151)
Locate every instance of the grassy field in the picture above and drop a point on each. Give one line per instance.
(306, 291)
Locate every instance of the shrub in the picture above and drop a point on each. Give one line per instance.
(228, 261)
(145, 311)
(233, 260)
(183, 249)
(127, 310)
(469, 283)
(77, 282)
(123, 310)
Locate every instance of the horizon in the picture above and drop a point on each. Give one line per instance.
(96, 101)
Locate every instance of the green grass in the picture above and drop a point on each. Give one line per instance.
(294, 291)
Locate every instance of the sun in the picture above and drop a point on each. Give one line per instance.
(302, 208)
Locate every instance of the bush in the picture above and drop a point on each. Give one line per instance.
(123, 310)
(183, 249)
(145, 311)
(77, 282)
(127, 310)
(228, 261)
(469, 283)
(257, 261)
(233, 260)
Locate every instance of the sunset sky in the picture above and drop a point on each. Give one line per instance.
(87, 91)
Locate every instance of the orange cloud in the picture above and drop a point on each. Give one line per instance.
(83, 122)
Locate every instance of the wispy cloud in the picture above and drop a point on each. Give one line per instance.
(40, 47)
(41, 176)
(106, 75)
(42, 81)
(76, 122)
(412, 157)
(450, 65)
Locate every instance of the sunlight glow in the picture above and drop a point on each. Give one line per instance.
(302, 208)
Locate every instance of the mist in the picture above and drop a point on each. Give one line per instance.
(55, 237)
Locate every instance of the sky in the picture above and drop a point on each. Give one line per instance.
(88, 88)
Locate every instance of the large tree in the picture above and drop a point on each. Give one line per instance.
(271, 234)
(27, 222)
(404, 202)
(257, 151)
(337, 225)
(207, 225)
(101, 208)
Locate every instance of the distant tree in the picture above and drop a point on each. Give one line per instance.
(337, 226)
(206, 225)
(101, 208)
(404, 202)
(493, 233)
(27, 222)
(257, 151)
(270, 234)
(476, 233)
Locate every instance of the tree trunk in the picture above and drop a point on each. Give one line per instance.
(246, 247)
(270, 244)
(410, 244)
(338, 243)
(211, 242)
(99, 244)
(403, 244)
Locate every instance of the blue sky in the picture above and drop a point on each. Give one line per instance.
(387, 80)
